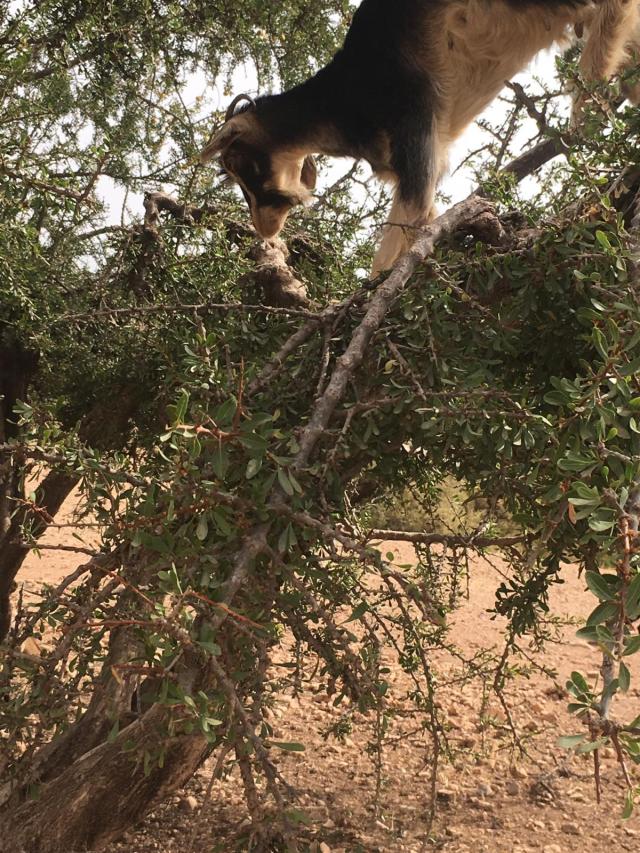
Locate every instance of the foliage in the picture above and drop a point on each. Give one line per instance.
(510, 367)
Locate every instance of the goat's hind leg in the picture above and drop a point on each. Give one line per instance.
(605, 51)
(612, 39)
(631, 68)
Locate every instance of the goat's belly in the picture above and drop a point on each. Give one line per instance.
(482, 44)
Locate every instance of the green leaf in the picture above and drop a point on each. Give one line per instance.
(598, 586)
(591, 746)
(296, 485)
(629, 804)
(600, 343)
(587, 493)
(202, 530)
(358, 612)
(570, 741)
(575, 463)
(254, 442)
(220, 461)
(632, 599)
(285, 483)
(211, 647)
(298, 817)
(631, 645)
(219, 517)
(288, 747)
(253, 466)
(602, 238)
(624, 677)
(603, 613)
(589, 634)
(599, 525)
(579, 681)
(179, 410)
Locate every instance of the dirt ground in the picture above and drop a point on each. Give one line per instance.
(491, 799)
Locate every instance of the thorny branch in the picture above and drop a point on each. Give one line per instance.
(256, 548)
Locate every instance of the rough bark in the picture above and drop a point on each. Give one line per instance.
(51, 495)
(110, 703)
(105, 791)
(17, 366)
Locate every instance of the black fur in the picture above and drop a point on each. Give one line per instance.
(371, 90)
(253, 166)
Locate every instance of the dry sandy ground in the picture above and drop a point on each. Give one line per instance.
(492, 800)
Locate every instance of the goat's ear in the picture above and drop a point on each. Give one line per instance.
(230, 131)
(309, 174)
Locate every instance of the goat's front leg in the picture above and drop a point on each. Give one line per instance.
(400, 232)
(613, 33)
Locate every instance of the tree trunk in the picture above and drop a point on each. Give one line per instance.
(104, 792)
(110, 704)
(51, 495)
(17, 366)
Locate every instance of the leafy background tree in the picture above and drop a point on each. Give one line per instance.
(233, 442)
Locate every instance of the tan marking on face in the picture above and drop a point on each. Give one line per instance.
(268, 221)
(286, 169)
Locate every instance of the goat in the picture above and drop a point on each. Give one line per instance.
(410, 77)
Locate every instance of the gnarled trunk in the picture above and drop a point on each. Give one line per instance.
(105, 791)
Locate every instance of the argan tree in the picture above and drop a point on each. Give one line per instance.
(230, 411)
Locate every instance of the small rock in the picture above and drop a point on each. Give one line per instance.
(484, 790)
(570, 829)
(517, 772)
(512, 788)
(188, 804)
(552, 848)
(446, 796)
(556, 692)
(324, 848)
(454, 831)
(31, 647)
(481, 804)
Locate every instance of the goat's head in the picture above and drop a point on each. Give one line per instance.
(273, 177)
